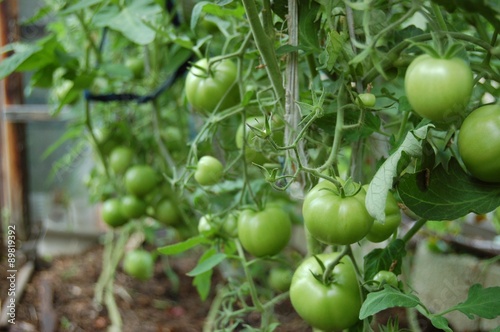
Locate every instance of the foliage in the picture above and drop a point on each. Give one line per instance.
(314, 92)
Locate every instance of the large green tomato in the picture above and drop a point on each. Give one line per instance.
(333, 306)
(120, 159)
(479, 143)
(266, 232)
(334, 219)
(209, 171)
(207, 87)
(140, 180)
(381, 231)
(438, 89)
(139, 264)
(133, 207)
(111, 213)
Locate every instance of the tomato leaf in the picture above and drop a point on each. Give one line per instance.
(382, 182)
(203, 281)
(447, 195)
(383, 259)
(440, 322)
(207, 264)
(389, 297)
(180, 247)
(482, 302)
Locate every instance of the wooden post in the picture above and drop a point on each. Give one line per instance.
(13, 150)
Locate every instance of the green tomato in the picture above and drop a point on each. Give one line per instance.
(438, 89)
(173, 138)
(111, 213)
(386, 277)
(120, 159)
(133, 207)
(140, 180)
(209, 171)
(139, 264)
(166, 212)
(280, 279)
(333, 219)
(136, 66)
(479, 143)
(333, 306)
(366, 99)
(381, 231)
(207, 87)
(264, 233)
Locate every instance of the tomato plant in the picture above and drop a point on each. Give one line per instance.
(265, 232)
(139, 264)
(479, 143)
(331, 303)
(207, 85)
(335, 219)
(209, 171)
(140, 179)
(438, 89)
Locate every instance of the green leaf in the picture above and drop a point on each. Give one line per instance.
(382, 182)
(441, 194)
(383, 259)
(196, 13)
(333, 49)
(82, 4)
(440, 322)
(482, 302)
(135, 30)
(23, 53)
(207, 264)
(180, 247)
(203, 278)
(389, 297)
(309, 25)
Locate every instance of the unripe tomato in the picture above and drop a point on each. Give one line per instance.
(207, 87)
(140, 180)
(120, 159)
(133, 207)
(366, 99)
(381, 231)
(386, 277)
(111, 213)
(280, 278)
(264, 233)
(333, 219)
(438, 89)
(333, 306)
(209, 171)
(479, 143)
(139, 264)
(166, 212)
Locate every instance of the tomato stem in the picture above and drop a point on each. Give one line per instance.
(414, 229)
(329, 268)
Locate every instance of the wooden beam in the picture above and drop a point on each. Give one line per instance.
(13, 148)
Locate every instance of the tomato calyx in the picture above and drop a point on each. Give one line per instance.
(327, 276)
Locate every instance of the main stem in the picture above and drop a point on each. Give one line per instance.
(266, 49)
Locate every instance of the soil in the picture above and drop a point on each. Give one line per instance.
(154, 305)
(151, 306)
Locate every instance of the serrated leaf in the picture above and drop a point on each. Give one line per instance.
(203, 281)
(135, 30)
(383, 259)
(389, 297)
(196, 13)
(82, 4)
(440, 322)
(333, 48)
(482, 302)
(207, 264)
(180, 247)
(382, 182)
(446, 195)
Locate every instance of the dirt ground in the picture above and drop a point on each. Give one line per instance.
(145, 306)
